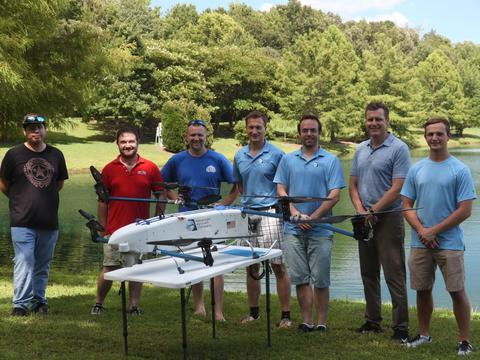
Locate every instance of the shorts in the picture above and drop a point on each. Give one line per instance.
(265, 231)
(423, 263)
(308, 259)
(111, 256)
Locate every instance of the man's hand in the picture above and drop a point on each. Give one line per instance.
(303, 226)
(428, 237)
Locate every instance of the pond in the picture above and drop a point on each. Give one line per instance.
(76, 253)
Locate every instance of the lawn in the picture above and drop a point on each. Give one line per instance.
(69, 332)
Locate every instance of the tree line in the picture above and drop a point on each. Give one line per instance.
(123, 60)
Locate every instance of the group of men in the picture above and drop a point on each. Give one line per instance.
(381, 177)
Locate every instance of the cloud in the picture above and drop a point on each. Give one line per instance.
(266, 7)
(396, 17)
(347, 8)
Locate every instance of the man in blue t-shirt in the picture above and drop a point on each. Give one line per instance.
(442, 188)
(203, 170)
(310, 171)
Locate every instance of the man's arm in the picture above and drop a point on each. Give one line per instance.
(354, 195)
(160, 208)
(4, 186)
(430, 241)
(60, 185)
(232, 195)
(102, 213)
(390, 196)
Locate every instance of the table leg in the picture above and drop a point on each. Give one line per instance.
(124, 318)
(267, 291)
(212, 294)
(184, 322)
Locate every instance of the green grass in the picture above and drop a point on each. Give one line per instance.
(69, 332)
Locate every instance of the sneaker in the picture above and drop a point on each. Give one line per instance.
(18, 311)
(284, 323)
(321, 328)
(369, 327)
(306, 327)
(97, 309)
(249, 318)
(464, 348)
(135, 311)
(41, 309)
(399, 334)
(418, 341)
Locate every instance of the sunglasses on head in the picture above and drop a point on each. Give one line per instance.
(198, 122)
(34, 119)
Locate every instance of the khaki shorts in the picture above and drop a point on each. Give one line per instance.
(111, 256)
(423, 263)
(265, 231)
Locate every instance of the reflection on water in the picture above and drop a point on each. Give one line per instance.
(75, 252)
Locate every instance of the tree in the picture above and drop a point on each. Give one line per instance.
(441, 91)
(330, 82)
(49, 59)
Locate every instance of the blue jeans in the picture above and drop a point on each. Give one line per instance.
(33, 254)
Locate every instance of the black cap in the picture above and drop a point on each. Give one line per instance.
(34, 119)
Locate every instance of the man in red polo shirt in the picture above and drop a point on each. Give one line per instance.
(129, 175)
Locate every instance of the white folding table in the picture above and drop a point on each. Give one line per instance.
(177, 273)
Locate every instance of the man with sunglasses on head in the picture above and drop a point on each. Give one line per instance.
(31, 176)
(203, 170)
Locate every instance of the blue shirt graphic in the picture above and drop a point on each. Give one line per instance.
(437, 188)
(316, 176)
(210, 170)
(256, 174)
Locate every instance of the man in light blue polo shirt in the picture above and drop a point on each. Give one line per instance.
(442, 188)
(379, 167)
(310, 171)
(254, 168)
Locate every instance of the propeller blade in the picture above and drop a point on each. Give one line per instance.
(97, 175)
(188, 241)
(209, 199)
(174, 185)
(86, 215)
(340, 218)
(291, 199)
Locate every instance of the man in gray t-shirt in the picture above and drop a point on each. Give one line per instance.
(379, 167)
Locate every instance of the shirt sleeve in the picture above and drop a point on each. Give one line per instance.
(168, 171)
(408, 188)
(353, 169)
(282, 176)
(227, 170)
(6, 168)
(156, 178)
(401, 163)
(465, 189)
(237, 178)
(62, 167)
(336, 179)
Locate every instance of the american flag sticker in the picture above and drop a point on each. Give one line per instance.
(231, 224)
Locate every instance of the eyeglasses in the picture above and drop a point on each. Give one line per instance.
(198, 122)
(34, 119)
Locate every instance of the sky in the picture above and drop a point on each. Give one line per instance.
(458, 20)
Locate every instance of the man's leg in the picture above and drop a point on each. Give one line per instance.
(305, 302)
(253, 292)
(219, 285)
(135, 290)
(283, 286)
(103, 286)
(322, 298)
(23, 240)
(370, 271)
(391, 253)
(461, 309)
(424, 311)
(44, 249)
(197, 291)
